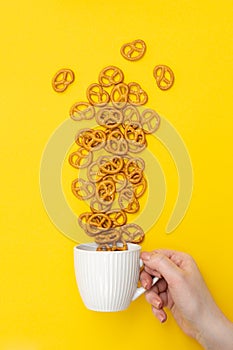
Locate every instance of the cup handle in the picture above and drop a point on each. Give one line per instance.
(141, 290)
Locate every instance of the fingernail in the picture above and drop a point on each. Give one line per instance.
(162, 318)
(145, 256)
(144, 284)
(157, 304)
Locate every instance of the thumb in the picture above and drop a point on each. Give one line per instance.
(162, 264)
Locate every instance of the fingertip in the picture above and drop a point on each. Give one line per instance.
(145, 256)
(160, 314)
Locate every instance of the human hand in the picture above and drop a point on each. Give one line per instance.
(182, 289)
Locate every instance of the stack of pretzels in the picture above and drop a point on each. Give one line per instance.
(115, 180)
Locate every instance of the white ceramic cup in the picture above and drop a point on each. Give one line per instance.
(107, 281)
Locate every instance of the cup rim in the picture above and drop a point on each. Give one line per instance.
(85, 247)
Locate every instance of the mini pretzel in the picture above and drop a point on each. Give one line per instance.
(106, 191)
(109, 117)
(97, 96)
(98, 207)
(133, 172)
(133, 206)
(119, 95)
(113, 166)
(134, 50)
(82, 189)
(140, 187)
(111, 236)
(111, 75)
(62, 79)
(98, 222)
(82, 220)
(131, 115)
(80, 158)
(164, 76)
(132, 233)
(118, 217)
(90, 139)
(116, 142)
(135, 134)
(125, 197)
(150, 121)
(93, 172)
(136, 96)
(119, 180)
(82, 111)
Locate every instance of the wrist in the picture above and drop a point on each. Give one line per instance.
(216, 331)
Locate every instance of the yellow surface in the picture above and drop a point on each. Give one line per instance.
(40, 307)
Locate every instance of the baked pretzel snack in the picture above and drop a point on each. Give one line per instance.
(82, 111)
(150, 121)
(62, 79)
(80, 158)
(105, 190)
(131, 115)
(132, 233)
(109, 117)
(136, 95)
(116, 142)
(134, 50)
(111, 75)
(118, 217)
(164, 76)
(97, 96)
(82, 189)
(91, 139)
(119, 95)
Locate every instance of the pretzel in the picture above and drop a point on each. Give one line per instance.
(62, 79)
(111, 75)
(82, 189)
(110, 236)
(110, 241)
(90, 139)
(82, 220)
(119, 95)
(164, 76)
(133, 171)
(80, 158)
(119, 180)
(112, 166)
(97, 207)
(116, 142)
(97, 222)
(131, 115)
(109, 117)
(82, 111)
(104, 247)
(136, 96)
(132, 233)
(133, 206)
(125, 197)
(134, 50)
(105, 191)
(93, 172)
(135, 134)
(118, 217)
(150, 121)
(97, 96)
(140, 187)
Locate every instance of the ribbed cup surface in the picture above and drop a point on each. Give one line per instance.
(107, 281)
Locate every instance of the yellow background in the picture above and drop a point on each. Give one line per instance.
(40, 307)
